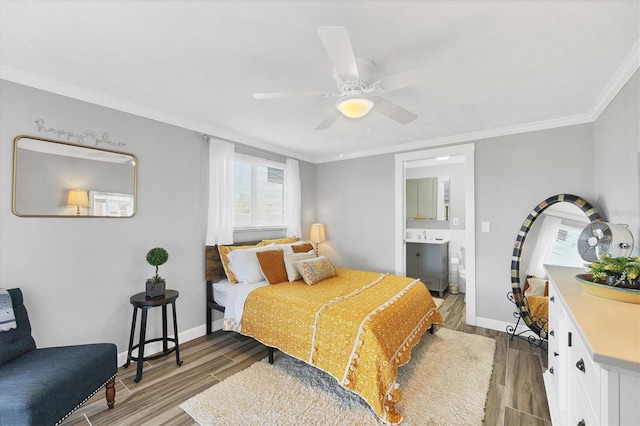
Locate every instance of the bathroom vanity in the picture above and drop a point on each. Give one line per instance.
(428, 259)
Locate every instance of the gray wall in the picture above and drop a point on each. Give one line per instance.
(513, 174)
(617, 157)
(355, 202)
(78, 274)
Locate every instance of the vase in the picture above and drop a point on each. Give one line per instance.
(155, 289)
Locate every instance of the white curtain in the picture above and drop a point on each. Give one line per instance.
(292, 198)
(220, 223)
(544, 245)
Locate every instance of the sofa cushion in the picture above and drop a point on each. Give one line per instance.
(18, 341)
(43, 386)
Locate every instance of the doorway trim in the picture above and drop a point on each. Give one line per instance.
(470, 224)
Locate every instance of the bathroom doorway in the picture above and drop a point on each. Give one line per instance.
(466, 237)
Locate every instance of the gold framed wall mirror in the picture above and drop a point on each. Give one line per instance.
(60, 179)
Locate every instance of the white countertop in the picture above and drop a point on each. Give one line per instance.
(609, 328)
(423, 241)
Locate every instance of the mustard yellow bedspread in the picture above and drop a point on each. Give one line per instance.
(359, 327)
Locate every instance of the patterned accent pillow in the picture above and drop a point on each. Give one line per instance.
(224, 257)
(315, 270)
(290, 260)
(272, 265)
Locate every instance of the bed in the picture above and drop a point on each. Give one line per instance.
(358, 326)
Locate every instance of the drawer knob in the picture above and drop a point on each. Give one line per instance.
(551, 370)
(555, 353)
(580, 365)
(552, 333)
(582, 423)
(552, 298)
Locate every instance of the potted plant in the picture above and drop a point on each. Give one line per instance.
(156, 285)
(620, 272)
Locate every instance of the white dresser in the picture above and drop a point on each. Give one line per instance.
(593, 376)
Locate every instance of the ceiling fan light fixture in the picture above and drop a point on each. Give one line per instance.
(354, 107)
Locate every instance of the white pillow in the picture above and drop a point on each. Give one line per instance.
(245, 266)
(290, 260)
(536, 287)
(285, 247)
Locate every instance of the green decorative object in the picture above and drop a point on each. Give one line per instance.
(620, 272)
(156, 285)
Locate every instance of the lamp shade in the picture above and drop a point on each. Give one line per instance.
(354, 107)
(78, 198)
(317, 232)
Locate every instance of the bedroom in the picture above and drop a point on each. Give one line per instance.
(73, 262)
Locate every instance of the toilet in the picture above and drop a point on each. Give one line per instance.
(462, 270)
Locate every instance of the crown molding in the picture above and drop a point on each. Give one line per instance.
(63, 89)
(628, 67)
(465, 137)
(624, 72)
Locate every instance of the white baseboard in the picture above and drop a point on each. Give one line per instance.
(183, 337)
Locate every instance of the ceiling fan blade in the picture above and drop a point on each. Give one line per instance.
(328, 121)
(337, 43)
(280, 95)
(393, 111)
(414, 77)
(409, 78)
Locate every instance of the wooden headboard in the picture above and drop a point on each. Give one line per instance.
(213, 269)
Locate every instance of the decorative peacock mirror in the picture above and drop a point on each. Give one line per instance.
(551, 231)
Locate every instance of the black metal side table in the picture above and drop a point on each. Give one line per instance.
(141, 301)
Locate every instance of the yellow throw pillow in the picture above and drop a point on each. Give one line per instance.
(224, 256)
(539, 307)
(272, 265)
(287, 240)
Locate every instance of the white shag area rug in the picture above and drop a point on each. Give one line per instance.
(445, 383)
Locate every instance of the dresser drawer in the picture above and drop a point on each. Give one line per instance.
(581, 411)
(586, 373)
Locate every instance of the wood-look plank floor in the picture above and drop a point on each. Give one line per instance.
(516, 391)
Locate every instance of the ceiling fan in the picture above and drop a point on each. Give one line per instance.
(358, 93)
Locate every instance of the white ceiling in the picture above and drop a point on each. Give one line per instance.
(491, 67)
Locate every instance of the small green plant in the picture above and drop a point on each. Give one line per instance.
(622, 268)
(156, 257)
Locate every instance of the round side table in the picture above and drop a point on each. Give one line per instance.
(141, 301)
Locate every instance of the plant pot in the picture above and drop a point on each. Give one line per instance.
(155, 289)
(614, 280)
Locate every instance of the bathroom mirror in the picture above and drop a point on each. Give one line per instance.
(551, 232)
(58, 179)
(427, 198)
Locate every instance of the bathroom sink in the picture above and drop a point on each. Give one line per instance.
(423, 241)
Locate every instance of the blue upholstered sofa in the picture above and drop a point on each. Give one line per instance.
(43, 386)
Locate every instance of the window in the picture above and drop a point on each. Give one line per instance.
(258, 195)
(110, 204)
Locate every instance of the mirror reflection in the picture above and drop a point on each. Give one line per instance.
(52, 178)
(427, 198)
(553, 240)
(549, 235)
